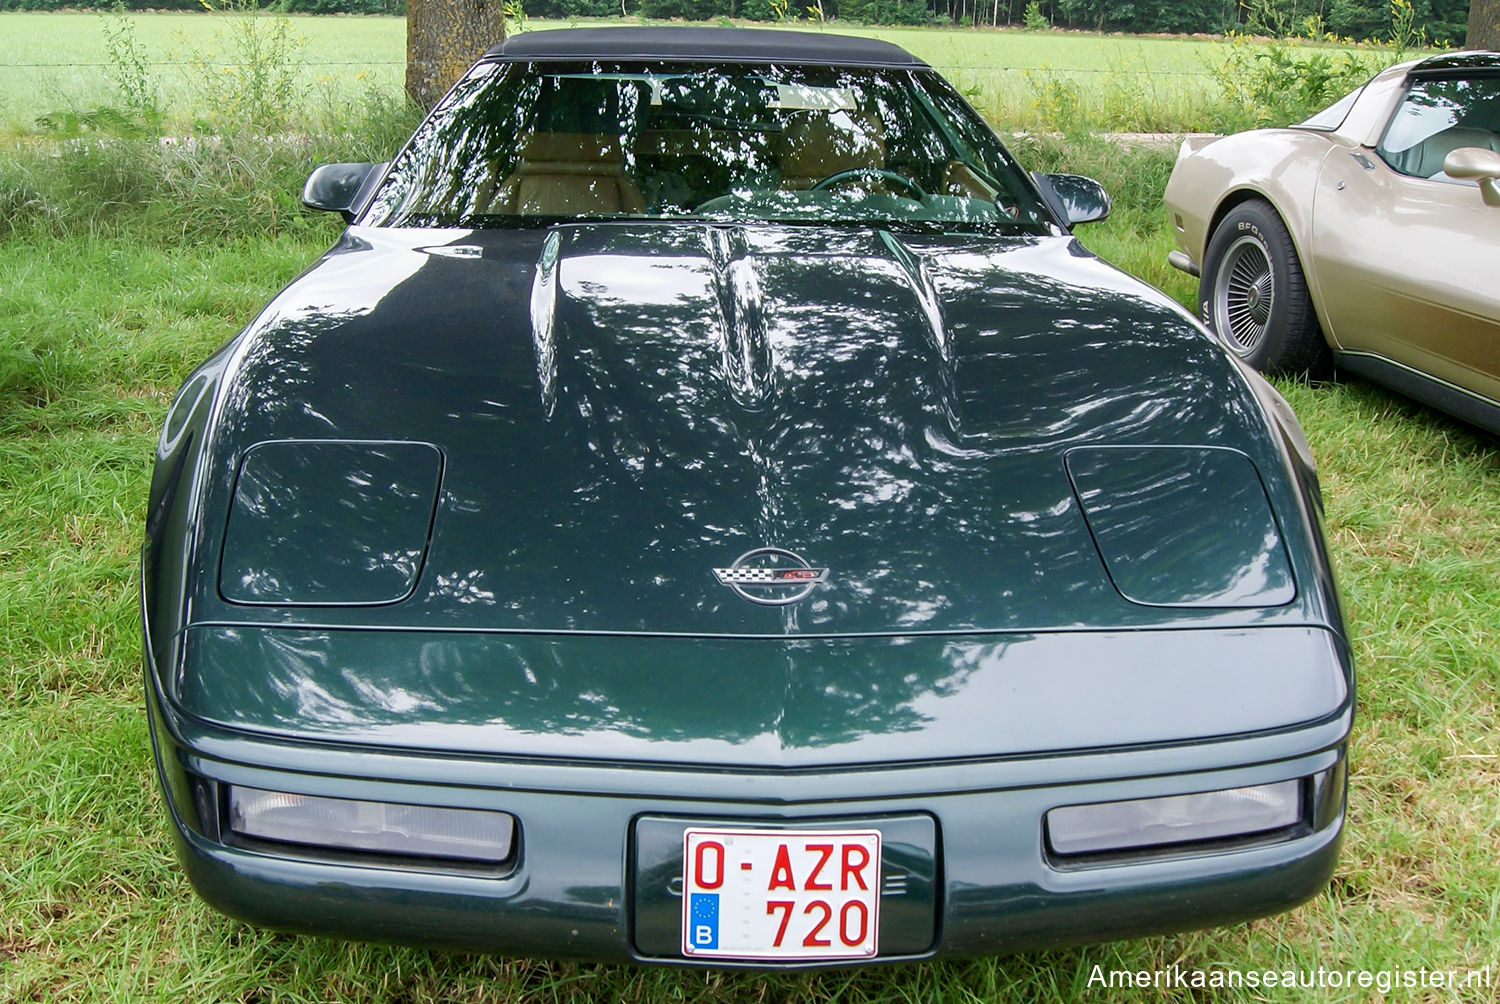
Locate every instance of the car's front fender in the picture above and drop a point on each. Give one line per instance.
(1279, 166)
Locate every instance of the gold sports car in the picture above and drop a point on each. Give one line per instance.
(1367, 236)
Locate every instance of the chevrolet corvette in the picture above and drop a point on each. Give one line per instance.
(708, 509)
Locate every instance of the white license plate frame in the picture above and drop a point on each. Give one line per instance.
(790, 895)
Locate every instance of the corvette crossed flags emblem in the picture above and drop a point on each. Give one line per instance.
(771, 576)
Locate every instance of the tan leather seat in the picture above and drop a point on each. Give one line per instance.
(1425, 160)
(568, 174)
(959, 179)
(815, 144)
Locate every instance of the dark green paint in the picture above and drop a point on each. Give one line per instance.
(618, 424)
(316, 523)
(620, 408)
(340, 188)
(570, 893)
(1183, 527)
(759, 703)
(606, 412)
(1074, 198)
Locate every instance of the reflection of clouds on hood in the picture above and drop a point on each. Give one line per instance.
(785, 696)
(753, 702)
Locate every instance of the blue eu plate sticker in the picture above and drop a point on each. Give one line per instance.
(703, 913)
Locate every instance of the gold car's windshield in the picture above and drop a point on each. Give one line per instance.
(540, 142)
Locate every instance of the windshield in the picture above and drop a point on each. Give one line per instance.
(1333, 116)
(517, 143)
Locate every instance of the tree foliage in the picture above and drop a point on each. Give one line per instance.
(280, 6)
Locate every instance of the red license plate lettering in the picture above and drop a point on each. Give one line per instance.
(780, 894)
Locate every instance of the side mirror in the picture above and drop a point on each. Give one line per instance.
(341, 188)
(1473, 163)
(1073, 197)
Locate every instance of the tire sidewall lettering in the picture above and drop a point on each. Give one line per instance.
(1291, 341)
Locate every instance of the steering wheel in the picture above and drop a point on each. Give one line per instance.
(839, 177)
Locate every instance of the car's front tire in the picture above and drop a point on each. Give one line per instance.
(1253, 295)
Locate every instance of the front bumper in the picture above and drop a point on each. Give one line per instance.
(573, 889)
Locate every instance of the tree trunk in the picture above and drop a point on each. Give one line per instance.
(443, 38)
(1484, 25)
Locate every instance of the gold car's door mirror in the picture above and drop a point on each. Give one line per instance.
(1472, 163)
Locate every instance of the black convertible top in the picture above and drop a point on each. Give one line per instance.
(707, 45)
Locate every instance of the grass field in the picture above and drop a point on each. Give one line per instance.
(52, 62)
(122, 266)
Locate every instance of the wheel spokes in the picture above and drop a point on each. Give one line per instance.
(1245, 292)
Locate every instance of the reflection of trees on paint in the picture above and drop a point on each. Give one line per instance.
(567, 141)
(780, 696)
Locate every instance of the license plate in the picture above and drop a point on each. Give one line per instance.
(780, 894)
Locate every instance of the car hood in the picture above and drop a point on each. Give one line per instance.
(615, 410)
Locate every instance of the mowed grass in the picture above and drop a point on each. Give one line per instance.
(52, 63)
(115, 282)
(1121, 83)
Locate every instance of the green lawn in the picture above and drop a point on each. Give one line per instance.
(121, 266)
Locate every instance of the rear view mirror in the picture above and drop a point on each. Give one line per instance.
(1473, 163)
(341, 188)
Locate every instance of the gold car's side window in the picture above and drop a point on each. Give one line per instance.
(1438, 116)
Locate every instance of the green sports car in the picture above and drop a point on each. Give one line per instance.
(708, 509)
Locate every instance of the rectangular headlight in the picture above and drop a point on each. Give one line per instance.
(375, 827)
(1174, 819)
